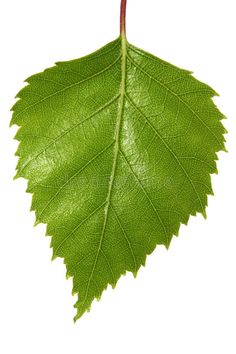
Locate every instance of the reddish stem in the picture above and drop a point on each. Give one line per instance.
(123, 17)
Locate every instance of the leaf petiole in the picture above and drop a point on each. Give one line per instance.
(123, 18)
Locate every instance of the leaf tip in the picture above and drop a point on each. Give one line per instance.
(204, 214)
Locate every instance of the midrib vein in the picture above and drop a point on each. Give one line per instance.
(116, 152)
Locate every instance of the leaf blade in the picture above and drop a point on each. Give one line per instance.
(101, 136)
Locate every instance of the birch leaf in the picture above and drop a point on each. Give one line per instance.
(117, 148)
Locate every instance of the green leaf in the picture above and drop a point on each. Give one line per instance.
(117, 148)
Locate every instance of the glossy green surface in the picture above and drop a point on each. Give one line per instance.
(118, 148)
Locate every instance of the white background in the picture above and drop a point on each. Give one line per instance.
(184, 300)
